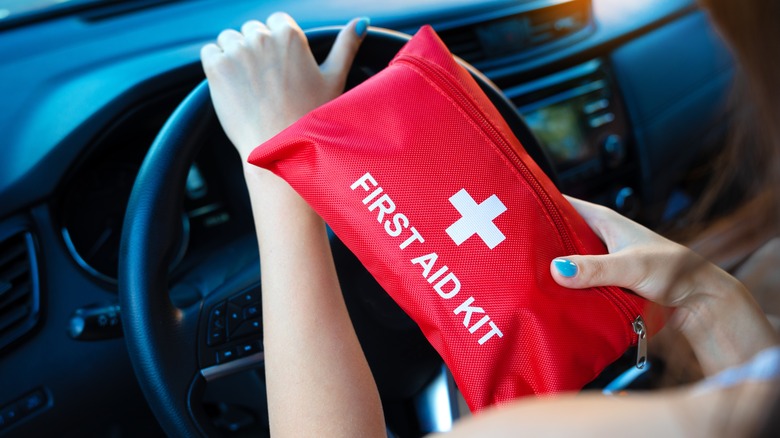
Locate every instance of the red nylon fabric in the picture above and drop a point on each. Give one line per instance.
(423, 131)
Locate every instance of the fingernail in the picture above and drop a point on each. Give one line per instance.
(565, 267)
(361, 27)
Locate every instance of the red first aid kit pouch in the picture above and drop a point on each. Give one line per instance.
(417, 173)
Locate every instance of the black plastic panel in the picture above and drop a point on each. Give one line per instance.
(674, 82)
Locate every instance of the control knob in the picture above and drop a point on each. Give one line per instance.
(613, 150)
(626, 202)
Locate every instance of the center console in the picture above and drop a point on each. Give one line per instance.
(578, 117)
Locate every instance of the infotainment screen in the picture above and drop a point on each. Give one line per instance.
(560, 129)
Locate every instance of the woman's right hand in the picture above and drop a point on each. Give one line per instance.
(714, 311)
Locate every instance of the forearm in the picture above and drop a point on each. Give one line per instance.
(722, 412)
(319, 383)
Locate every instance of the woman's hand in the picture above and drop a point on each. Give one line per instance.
(640, 260)
(714, 311)
(265, 77)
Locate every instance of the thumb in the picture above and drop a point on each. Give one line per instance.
(340, 58)
(580, 272)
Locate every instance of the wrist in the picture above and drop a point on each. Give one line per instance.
(251, 172)
(722, 322)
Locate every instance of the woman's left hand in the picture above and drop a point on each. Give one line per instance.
(715, 312)
(265, 77)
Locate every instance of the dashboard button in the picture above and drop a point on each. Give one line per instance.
(613, 150)
(22, 407)
(32, 402)
(593, 107)
(9, 415)
(598, 121)
(626, 202)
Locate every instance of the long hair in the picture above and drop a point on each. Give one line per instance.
(752, 156)
(751, 28)
(746, 174)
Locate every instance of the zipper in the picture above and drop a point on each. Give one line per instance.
(641, 343)
(446, 82)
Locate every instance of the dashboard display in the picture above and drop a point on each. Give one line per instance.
(94, 200)
(559, 128)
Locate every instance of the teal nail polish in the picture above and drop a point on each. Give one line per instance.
(565, 267)
(361, 27)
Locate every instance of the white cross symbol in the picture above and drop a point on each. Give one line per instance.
(476, 219)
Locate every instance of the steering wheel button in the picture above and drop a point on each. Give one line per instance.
(235, 316)
(247, 349)
(251, 312)
(226, 355)
(216, 336)
(251, 327)
(245, 298)
(218, 310)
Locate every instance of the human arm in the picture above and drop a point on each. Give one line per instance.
(714, 311)
(262, 80)
(739, 410)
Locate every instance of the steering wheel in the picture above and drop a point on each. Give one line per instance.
(176, 351)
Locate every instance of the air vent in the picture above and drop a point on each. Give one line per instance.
(464, 42)
(19, 302)
(518, 33)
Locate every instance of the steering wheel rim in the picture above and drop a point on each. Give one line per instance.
(163, 340)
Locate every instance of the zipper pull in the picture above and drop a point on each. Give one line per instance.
(641, 343)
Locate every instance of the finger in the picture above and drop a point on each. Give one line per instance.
(347, 43)
(611, 227)
(209, 55)
(281, 23)
(580, 272)
(254, 27)
(584, 208)
(229, 39)
(256, 34)
(595, 215)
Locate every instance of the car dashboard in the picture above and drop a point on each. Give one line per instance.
(624, 97)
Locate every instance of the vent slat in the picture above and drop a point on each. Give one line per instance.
(5, 286)
(8, 254)
(19, 301)
(517, 33)
(12, 272)
(13, 315)
(467, 46)
(461, 38)
(15, 293)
